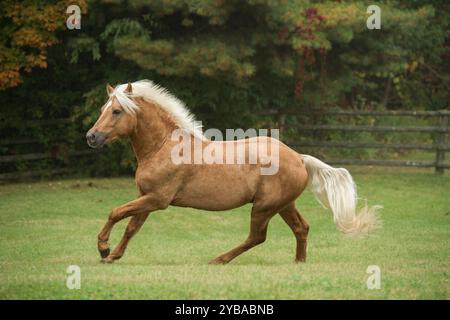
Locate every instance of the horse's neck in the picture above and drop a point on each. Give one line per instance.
(153, 130)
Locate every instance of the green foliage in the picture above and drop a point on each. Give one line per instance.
(83, 44)
(124, 27)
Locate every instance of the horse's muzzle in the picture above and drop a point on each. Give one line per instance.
(96, 140)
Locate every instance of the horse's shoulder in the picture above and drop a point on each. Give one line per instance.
(154, 176)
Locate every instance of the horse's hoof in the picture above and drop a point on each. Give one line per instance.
(104, 253)
(107, 260)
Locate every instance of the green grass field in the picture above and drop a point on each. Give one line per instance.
(47, 226)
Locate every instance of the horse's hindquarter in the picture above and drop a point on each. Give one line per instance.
(278, 190)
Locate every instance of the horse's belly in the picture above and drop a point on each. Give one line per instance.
(210, 202)
(216, 189)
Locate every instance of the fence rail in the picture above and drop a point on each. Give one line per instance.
(372, 129)
(42, 155)
(441, 129)
(336, 112)
(368, 145)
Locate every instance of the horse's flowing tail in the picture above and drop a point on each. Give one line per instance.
(335, 189)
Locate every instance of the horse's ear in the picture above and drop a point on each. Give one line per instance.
(109, 89)
(129, 89)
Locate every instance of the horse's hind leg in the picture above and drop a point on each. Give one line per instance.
(300, 228)
(258, 232)
(132, 228)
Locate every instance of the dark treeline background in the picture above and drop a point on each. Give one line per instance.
(226, 59)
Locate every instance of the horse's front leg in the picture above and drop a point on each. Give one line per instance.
(142, 205)
(132, 228)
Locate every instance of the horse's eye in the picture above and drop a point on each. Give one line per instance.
(116, 112)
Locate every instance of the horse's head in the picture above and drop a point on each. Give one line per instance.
(117, 118)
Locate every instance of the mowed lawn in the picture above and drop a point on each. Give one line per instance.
(47, 226)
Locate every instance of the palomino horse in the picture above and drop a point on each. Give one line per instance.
(148, 115)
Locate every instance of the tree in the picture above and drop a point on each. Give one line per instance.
(28, 29)
(321, 51)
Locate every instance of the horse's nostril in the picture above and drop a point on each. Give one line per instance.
(90, 137)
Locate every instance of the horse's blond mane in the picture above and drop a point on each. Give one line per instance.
(161, 97)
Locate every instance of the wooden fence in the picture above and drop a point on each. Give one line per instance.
(441, 129)
(439, 146)
(48, 153)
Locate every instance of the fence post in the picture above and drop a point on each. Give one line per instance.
(281, 120)
(440, 144)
